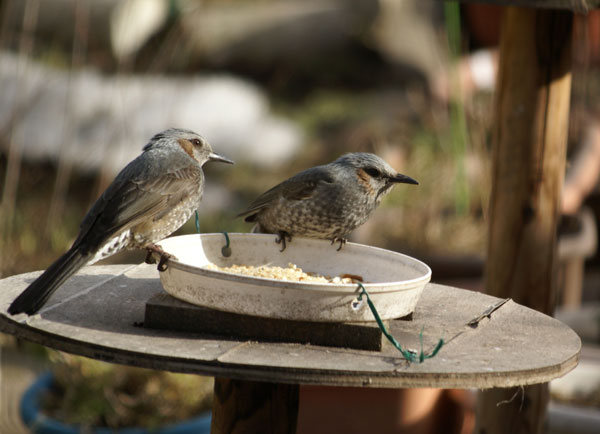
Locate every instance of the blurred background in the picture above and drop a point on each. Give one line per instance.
(279, 86)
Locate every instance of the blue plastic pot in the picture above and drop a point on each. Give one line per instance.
(39, 423)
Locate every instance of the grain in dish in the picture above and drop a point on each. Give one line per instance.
(291, 273)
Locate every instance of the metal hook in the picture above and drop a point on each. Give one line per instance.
(163, 263)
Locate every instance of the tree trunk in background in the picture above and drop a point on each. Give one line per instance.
(530, 134)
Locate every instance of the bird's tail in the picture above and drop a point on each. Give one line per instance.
(36, 294)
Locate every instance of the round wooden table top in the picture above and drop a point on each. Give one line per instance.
(98, 312)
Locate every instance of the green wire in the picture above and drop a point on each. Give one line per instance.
(226, 250)
(226, 240)
(408, 355)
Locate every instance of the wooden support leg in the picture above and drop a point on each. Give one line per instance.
(245, 407)
(573, 270)
(530, 134)
(514, 410)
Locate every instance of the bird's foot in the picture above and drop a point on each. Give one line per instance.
(340, 240)
(149, 257)
(164, 256)
(282, 238)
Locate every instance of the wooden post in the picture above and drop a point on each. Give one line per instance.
(530, 134)
(246, 407)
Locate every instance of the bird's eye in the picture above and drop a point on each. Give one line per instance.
(373, 172)
(196, 142)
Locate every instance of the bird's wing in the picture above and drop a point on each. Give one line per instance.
(127, 202)
(299, 187)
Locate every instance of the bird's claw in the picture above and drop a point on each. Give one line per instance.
(150, 257)
(340, 240)
(282, 238)
(164, 257)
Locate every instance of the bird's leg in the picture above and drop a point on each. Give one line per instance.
(282, 238)
(164, 256)
(340, 240)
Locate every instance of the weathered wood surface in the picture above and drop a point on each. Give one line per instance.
(168, 313)
(530, 136)
(95, 314)
(248, 407)
(573, 5)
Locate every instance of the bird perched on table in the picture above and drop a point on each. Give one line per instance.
(150, 198)
(326, 201)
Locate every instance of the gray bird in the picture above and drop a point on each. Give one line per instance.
(326, 201)
(150, 198)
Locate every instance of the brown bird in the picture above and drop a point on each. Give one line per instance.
(150, 198)
(326, 201)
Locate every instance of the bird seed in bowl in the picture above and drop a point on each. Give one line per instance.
(291, 273)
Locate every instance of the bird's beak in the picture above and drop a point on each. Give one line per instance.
(403, 179)
(216, 157)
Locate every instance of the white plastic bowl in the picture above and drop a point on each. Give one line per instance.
(395, 281)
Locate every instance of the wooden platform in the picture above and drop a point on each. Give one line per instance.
(97, 314)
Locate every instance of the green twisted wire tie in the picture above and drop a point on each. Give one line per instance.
(226, 246)
(226, 250)
(408, 355)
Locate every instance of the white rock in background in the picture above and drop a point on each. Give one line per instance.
(126, 35)
(97, 122)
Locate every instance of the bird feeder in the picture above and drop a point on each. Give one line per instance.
(394, 281)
